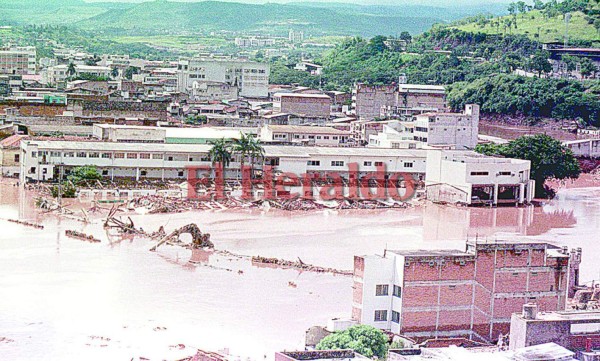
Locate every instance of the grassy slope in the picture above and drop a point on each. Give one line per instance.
(549, 30)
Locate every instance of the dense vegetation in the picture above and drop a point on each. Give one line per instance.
(531, 97)
(549, 158)
(366, 340)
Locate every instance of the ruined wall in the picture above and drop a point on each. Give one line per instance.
(35, 110)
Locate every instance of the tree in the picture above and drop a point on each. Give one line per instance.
(587, 67)
(220, 153)
(366, 340)
(71, 69)
(405, 35)
(114, 72)
(549, 158)
(247, 145)
(130, 71)
(85, 173)
(539, 63)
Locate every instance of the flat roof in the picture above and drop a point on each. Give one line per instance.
(204, 133)
(431, 253)
(306, 129)
(302, 95)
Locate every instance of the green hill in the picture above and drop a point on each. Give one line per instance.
(173, 17)
(536, 26)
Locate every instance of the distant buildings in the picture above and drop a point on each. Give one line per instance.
(295, 36)
(589, 148)
(305, 135)
(254, 42)
(251, 78)
(60, 73)
(429, 294)
(394, 101)
(457, 130)
(18, 60)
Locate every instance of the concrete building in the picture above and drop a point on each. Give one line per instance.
(312, 68)
(168, 135)
(369, 101)
(295, 36)
(471, 178)
(417, 96)
(254, 42)
(431, 294)
(458, 130)
(42, 160)
(305, 135)
(395, 134)
(10, 155)
(589, 148)
(213, 91)
(18, 60)
(578, 331)
(251, 78)
(309, 105)
(58, 74)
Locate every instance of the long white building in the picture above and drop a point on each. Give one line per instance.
(251, 78)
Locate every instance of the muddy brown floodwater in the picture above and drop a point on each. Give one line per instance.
(64, 299)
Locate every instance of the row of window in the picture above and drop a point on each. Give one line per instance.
(383, 290)
(117, 155)
(340, 163)
(381, 315)
(487, 173)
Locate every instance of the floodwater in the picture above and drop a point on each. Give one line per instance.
(64, 299)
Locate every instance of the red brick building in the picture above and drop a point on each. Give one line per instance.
(450, 293)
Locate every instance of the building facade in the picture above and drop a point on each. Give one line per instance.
(459, 130)
(471, 178)
(251, 78)
(430, 294)
(18, 60)
(310, 105)
(304, 135)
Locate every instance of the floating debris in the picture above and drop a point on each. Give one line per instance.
(298, 265)
(25, 223)
(81, 236)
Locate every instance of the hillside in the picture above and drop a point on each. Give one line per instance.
(173, 17)
(544, 22)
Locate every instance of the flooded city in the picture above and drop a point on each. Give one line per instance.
(63, 298)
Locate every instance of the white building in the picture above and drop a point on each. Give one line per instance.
(18, 60)
(467, 177)
(251, 78)
(295, 36)
(43, 160)
(58, 74)
(589, 148)
(254, 42)
(459, 130)
(303, 134)
(395, 135)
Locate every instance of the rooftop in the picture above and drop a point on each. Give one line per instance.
(306, 129)
(302, 95)
(12, 142)
(339, 355)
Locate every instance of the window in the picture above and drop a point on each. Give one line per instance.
(31, 170)
(180, 173)
(94, 155)
(479, 173)
(367, 164)
(170, 159)
(380, 315)
(412, 146)
(33, 154)
(143, 173)
(504, 173)
(395, 317)
(132, 155)
(55, 154)
(337, 163)
(325, 137)
(105, 172)
(81, 155)
(378, 164)
(315, 163)
(119, 155)
(381, 290)
(408, 165)
(395, 145)
(144, 155)
(157, 156)
(334, 137)
(397, 291)
(106, 155)
(17, 158)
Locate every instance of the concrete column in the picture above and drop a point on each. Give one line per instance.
(521, 193)
(137, 174)
(495, 193)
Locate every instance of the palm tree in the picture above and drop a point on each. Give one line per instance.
(114, 72)
(256, 151)
(220, 153)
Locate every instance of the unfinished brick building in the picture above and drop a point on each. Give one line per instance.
(449, 293)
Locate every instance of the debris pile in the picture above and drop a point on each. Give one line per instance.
(81, 236)
(199, 239)
(159, 204)
(25, 223)
(125, 227)
(297, 265)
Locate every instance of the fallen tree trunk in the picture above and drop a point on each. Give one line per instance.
(199, 239)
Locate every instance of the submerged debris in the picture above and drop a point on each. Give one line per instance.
(25, 223)
(199, 239)
(298, 265)
(81, 236)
